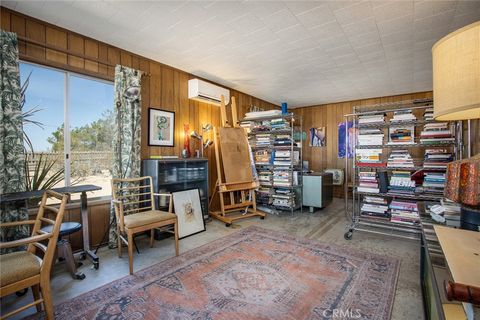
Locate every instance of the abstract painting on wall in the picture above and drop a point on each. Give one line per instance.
(161, 127)
(318, 137)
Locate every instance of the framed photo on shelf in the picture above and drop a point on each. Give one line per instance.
(189, 212)
(161, 127)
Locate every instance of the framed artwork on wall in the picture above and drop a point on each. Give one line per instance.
(189, 212)
(161, 127)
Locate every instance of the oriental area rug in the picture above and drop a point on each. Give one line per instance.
(252, 274)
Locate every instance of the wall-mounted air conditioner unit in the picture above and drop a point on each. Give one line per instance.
(206, 92)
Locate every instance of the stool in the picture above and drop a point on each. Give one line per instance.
(64, 248)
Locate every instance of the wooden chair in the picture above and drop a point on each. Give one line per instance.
(135, 211)
(22, 269)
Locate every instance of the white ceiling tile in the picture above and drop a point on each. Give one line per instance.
(264, 8)
(315, 17)
(305, 52)
(367, 25)
(467, 7)
(443, 19)
(297, 31)
(393, 9)
(280, 20)
(403, 23)
(298, 7)
(428, 8)
(364, 39)
(464, 20)
(330, 29)
(354, 13)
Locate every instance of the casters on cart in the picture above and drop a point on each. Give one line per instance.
(228, 225)
(348, 235)
(96, 265)
(262, 218)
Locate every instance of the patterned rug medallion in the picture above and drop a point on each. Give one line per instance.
(251, 274)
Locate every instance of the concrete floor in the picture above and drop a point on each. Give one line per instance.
(327, 225)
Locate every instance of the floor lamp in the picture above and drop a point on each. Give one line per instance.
(456, 96)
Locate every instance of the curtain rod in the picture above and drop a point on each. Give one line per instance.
(65, 51)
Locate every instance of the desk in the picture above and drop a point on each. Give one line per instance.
(83, 189)
(462, 253)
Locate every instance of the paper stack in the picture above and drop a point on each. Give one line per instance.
(370, 137)
(400, 159)
(428, 114)
(373, 118)
(403, 115)
(404, 212)
(434, 182)
(438, 132)
(401, 183)
(437, 158)
(368, 182)
(376, 207)
(402, 135)
(369, 157)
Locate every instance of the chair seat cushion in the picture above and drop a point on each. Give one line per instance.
(17, 266)
(146, 217)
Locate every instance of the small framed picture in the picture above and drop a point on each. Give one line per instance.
(189, 212)
(161, 127)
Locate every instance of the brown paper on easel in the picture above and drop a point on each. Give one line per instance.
(235, 155)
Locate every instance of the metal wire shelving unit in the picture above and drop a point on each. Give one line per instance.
(358, 222)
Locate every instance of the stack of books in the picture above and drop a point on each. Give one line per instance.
(402, 135)
(434, 182)
(404, 212)
(279, 124)
(264, 196)
(282, 177)
(283, 140)
(370, 137)
(373, 118)
(247, 125)
(283, 199)
(403, 115)
(368, 182)
(262, 157)
(265, 177)
(401, 183)
(437, 158)
(284, 157)
(400, 159)
(260, 126)
(263, 140)
(438, 132)
(375, 207)
(428, 114)
(369, 158)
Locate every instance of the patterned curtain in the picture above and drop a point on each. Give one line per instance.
(127, 135)
(12, 153)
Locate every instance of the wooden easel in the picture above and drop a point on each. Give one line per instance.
(235, 179)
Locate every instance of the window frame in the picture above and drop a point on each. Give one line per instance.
(66, 116)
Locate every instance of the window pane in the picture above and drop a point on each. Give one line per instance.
(43, 123)
(91, 132)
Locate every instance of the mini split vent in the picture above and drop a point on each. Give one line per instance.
(206, 92)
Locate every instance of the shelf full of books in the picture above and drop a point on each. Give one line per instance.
(400, 159)
(276, 146)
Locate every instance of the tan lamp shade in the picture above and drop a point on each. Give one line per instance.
(456, 75)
